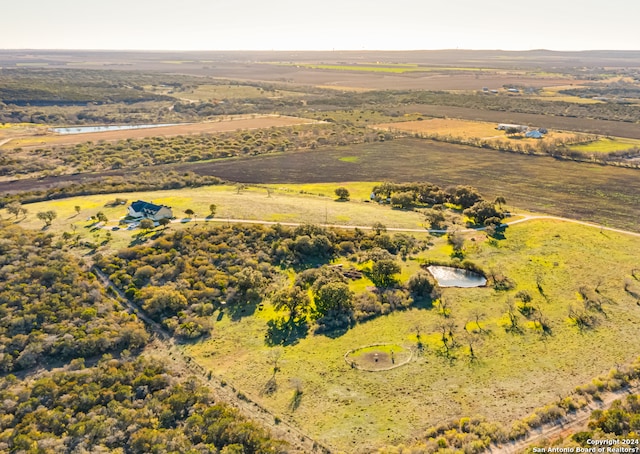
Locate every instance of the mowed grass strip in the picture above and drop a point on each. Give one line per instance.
(515, 372)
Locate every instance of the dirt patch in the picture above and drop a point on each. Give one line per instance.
(378, 357)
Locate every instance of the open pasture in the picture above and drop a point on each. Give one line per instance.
(230, 123)
(278, 204)
(514, 372)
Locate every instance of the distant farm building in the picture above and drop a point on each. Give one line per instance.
(505, 126)
(141, 209)
(535, 134)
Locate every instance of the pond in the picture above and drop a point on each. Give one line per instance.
(448, 276)
(87, 129)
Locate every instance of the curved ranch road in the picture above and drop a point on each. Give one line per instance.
(525, 218)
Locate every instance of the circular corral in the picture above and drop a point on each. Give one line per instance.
(378, 357)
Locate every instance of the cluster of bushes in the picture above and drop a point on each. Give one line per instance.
(127, 405)
(151, 151)
(412, 195)
(13, 165)
(50, 308)
(143, 181)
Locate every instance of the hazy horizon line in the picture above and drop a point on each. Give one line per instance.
(311, 50)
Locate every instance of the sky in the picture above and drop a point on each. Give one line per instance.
(320, 24)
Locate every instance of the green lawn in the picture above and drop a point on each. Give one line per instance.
(607, 145)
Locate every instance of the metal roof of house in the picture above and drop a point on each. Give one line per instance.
(140, 206)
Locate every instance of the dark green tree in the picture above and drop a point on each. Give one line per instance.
(342, 193)
(383, 272)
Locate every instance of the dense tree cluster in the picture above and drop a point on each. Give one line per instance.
(406, 195)
(129, 406)
(50, 308)
(181, 278)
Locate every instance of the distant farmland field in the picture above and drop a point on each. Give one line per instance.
(601, 194)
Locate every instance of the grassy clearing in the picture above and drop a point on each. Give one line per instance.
(357, 411)
(358, 190)
(285, 204)
(607, 145)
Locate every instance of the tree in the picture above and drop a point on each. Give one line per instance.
(146, 224)
(333, 296)
(456, 240)
(342, 193)
(465, 196)
(189, 212)
(164, 222)
(435, 218)
(294, 299)
(402, 199)
(500, 201)
(47, 217)
(212, 210)
(483, 211)
(379, 227)
(101, 216)
(14, 208)
(77, 208)
(421, 284)
(383, 271)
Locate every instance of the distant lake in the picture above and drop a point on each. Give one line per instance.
(87, 129)
(456, 277)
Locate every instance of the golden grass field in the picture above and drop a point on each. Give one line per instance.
(467, 129)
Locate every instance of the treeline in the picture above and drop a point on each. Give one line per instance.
(181, 278)
(150, 151)
(131, 405)
(51, 309)
(133, 182)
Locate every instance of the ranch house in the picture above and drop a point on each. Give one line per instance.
(141, 209)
